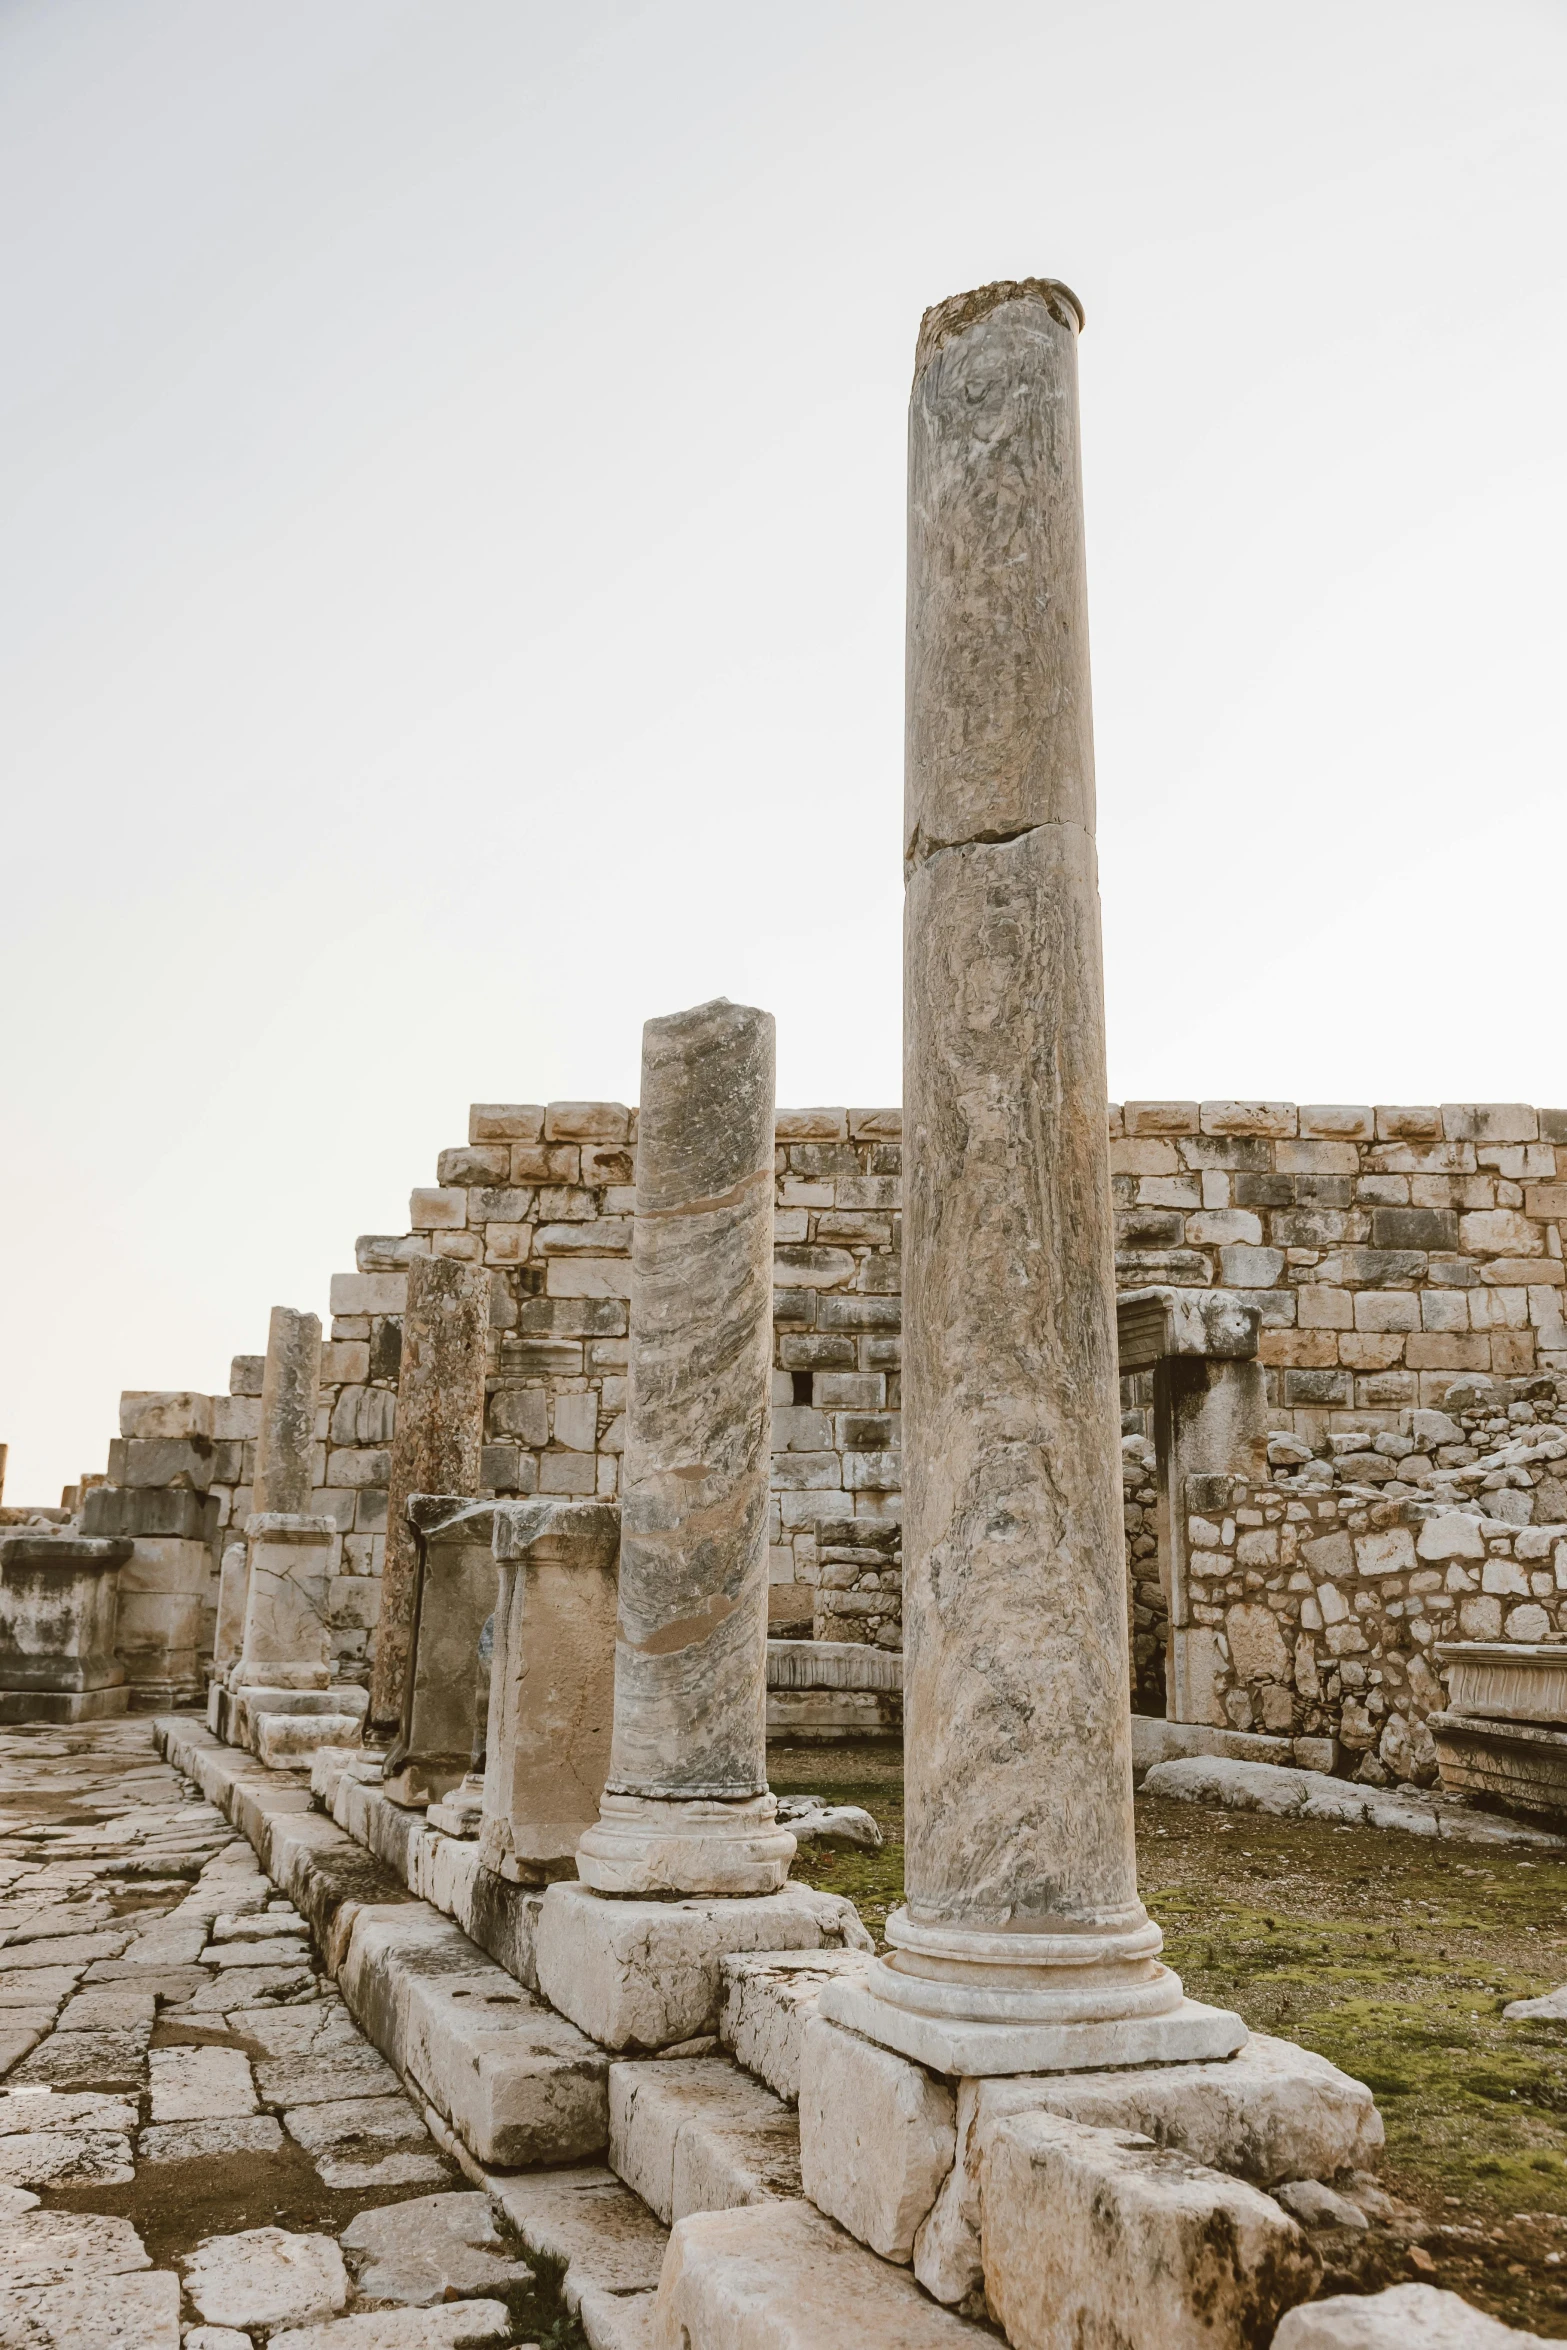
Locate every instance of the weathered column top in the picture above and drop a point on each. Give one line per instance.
(944, 321)
(430, 1514)
(1153, 1323)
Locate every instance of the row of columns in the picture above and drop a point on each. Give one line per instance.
(1022, 1923)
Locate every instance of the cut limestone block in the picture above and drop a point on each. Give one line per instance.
(42, 2248)
(768, 1998)
(646, 1975)
(604, 2238)
(877, 2137)
(141, 2313)
(200, 2084)
(1273, 2112)
(1093, 2232)
(778, 2276)
(1405, 2317)
(616, 2321)
(697, 2134)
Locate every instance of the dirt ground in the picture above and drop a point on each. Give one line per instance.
(1392, 1956)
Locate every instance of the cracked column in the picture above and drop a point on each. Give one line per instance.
(686, 1807)
(1023, 1945)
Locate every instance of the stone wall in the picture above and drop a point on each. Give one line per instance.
(1317, 1598)
(1391, 1251)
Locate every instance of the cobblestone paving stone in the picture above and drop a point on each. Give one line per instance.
(191, 2124)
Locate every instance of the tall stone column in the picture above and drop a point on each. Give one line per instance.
(1022, 1924)
(290, 1387)
(436, 1445)
(686, 1807)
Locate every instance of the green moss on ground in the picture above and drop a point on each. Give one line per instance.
(1388, 1954)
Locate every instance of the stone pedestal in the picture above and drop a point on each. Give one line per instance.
(436, 1444)
(552, 1683)
(1023, 1938)
(446, 1695)
(58, 1603)
(163, 1584)
(287, 1638)
(686, 1808)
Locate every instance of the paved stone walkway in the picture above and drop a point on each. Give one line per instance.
(197, 2144)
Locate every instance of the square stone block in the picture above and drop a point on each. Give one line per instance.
(645, 1974)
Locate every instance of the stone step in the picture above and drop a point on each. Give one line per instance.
(608, 2243)
(768, 1998)
(778, 2276)
(511, 2079)
(696, 2133)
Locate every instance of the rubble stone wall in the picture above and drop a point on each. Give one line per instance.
(1391, 1250)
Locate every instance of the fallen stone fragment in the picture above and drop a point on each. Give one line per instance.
(844, 1826)
(1090, 2232)
(266, 2277)
(1404, 2317)
(461, 2325)
(1309, 1795)
(209, 2141)
(66, 2158)
(779, 2276)
(435, 2248)
(139, 2313)
(200, 2084)
(50, 2247)
(1551, 2008)
(1318, 2206)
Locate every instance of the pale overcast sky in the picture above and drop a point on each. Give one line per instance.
(451, 578)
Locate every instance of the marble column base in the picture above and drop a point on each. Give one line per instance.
(651, 1845)
(1188, 2033)
(981, 2001)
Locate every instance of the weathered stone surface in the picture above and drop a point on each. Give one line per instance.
(1319, 2206)
(66, 2158)
(59, 1610)
(877, 2137)
(435, 2248)
(686, 1807)
(348, 2068)
(696, 2134)
(604, 2237)
(443, 1707)
(49, 2247)
(768, 1998)
(372, 2122)
(1308, 1795)
(209, 2141)
(140, 2313)
(437, 1443)
(1551, 2007)
(63, 2109)
(461, 2325)
(1019, 1852)
(266, 2277)
(778, 2276)
(289, 1387)
(288, 1611)
(1099, 2231)
(200, 2084)
(646, 1975)
(552, 1683)
(1404, 2317)
(518, 2083)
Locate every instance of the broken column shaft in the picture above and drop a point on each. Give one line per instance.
(686, 1807)
(290, 1385)
(1022, 1919)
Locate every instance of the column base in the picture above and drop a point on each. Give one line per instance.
(63, 1705)
(1187, 2033)
(653, 1845)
